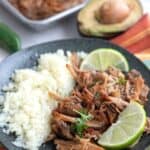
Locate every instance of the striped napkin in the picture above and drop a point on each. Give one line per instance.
(137, 39)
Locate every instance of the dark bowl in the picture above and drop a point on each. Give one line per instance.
(28, 58)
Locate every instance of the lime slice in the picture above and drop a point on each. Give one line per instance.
(103, 58)
(128, 128)
(147, 148)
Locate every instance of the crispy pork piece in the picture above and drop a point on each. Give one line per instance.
(62, 129)
(147, 127)
(67, 107)
(115, 72)
(133, 74)
(92, 123)
(136, 88)
(119, 103)
(144, 93)
(78, 145)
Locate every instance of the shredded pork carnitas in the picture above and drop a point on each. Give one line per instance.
(94, 104)
(41, 9)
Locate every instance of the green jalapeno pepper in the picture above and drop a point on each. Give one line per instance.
(9, 38)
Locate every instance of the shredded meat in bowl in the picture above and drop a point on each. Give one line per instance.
(103, 95)
(40, 9)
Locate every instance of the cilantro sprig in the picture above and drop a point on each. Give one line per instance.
(122, 81)
(80, 124)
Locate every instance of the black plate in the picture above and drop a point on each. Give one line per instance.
(28, 58)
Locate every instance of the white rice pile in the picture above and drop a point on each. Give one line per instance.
(27, 105)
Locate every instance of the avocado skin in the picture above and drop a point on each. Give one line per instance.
(89, 26)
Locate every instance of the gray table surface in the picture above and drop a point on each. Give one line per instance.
(63, 29)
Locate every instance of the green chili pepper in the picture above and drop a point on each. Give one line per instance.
(9, 38)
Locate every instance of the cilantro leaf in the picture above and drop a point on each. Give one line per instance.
(122, 81)
(80, 124)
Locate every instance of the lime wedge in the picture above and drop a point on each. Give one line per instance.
(101, 59)
(147, 148)
(128, 128)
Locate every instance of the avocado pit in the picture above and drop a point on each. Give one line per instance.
(113, 11)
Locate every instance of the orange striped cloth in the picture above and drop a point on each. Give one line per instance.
(137, 39)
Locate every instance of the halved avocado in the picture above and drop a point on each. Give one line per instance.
(91, 26)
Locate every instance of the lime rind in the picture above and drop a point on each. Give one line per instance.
(133, 128)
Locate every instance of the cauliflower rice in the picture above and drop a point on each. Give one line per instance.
(27, 105)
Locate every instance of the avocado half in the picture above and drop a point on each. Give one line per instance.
(90, 26)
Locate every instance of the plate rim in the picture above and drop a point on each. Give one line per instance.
(30, 48)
